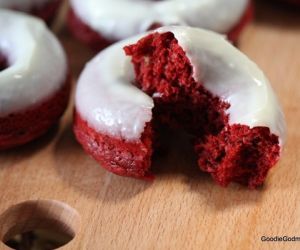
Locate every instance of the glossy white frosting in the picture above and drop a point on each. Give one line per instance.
(106, 99)
(37, 61)
(23, 5)
(119, 19)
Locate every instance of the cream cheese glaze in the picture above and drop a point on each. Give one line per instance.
(110, 104)
(24, 5)
(37, 62)
(119, 19)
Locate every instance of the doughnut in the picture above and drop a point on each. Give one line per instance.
(99, 23)
(34, 79)
(45, 9)
(179, 77)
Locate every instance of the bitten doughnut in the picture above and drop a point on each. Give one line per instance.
(99, 23)
(45, 9)
(34, 82)
(180, 77)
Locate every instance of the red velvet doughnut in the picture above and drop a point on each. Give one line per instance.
(107, 116)
(97, 42)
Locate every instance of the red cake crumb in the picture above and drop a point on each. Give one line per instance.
(117, 155)
(24, 126)
(239, 154)
(234, 153)
(97, 42)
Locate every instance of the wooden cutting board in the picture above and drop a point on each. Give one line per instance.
(182, 208)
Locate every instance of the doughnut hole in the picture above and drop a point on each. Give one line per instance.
(230, 153)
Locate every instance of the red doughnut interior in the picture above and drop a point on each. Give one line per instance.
(229, 153)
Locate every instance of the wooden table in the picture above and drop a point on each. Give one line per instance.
(182, 208)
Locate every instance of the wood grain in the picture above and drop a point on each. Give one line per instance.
(182, 208)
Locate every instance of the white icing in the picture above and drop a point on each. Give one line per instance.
(119, 19)
(107, 100)
(37, 61)
(230, 75)
(24, 5)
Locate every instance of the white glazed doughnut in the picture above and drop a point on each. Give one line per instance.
(99, 23)
(108, 101)
(37, 62)
(179, 77)
(34, 79)
(119, 19)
